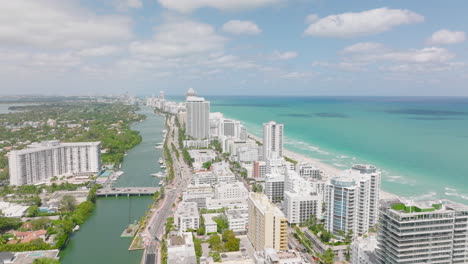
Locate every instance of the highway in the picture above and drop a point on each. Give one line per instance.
(182, 175)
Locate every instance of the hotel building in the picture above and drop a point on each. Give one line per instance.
(422, 232)
(268, 227)
(197, 119)
(41, 161)
(272, 139)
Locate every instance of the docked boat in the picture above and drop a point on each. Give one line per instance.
(163, 166)
(158, 174)
(161, 161)
(160, 183)
(76, 228)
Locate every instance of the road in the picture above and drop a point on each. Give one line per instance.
(182, 174)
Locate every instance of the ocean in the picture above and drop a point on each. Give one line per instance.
(419, 143)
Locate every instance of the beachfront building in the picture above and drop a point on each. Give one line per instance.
(308, 171)
(41, 161)
(375, 182)
(363, 250)
(268, 227)
(186, 216)
(274, 187)
(231, 191)
(181, 249)
(350, 199)
(422, 232)
(301, 201)
(197, 119)
(272, 139)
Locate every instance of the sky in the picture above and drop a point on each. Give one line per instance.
(234, 47)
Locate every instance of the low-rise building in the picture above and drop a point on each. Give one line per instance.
(203, 177)
(186, 216)
(233, 203)
(238, 219)
(28, 257)
(223, 173)
(363, 250)
(12, 209)
(231, 191)
(272, 256)
(320, 247)
(181, 249)
(198, 194)
(210, 225)
(201, 156)
(308, 171)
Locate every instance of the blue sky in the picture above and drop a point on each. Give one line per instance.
(234, 47)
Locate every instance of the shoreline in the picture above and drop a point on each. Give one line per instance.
(327, 170)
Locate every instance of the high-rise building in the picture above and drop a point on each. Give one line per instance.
(350, 202)
(197, 118)
(375, 180)
(274, 186)
(41, 161)
(422, 232)
(268, 227)
(301, 201)
(272, 139)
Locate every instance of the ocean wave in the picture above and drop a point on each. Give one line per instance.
(339, 165)
(426, 196)
(342, 156)
(455, 193)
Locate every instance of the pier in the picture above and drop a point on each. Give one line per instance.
(127, 191)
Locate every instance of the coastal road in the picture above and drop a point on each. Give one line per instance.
(182, 175)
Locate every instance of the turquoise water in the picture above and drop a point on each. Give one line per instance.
(421, 144)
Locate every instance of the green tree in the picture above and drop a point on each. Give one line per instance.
(32, 211)
(207, 165)
(222, 223)
(7, 223)
(328, 257)
(68, 203)
(215, 243)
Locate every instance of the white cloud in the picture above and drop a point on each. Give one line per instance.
(124, 5)
(187, 6)
(239, 27)
(362, 23)
(311, 18)
(364, 47)
(180, 38)
(100, 51)
(297, 75)
(52, 23)
(284, 55)
(445, 36)
(424, 55)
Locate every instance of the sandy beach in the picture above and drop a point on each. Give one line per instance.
(327, 170)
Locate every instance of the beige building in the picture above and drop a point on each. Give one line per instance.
(268, 227)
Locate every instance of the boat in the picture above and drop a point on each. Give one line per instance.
(76, 228)
(160, 183)
(161, 161)
(163, 166)
(158, 147)
(158, 174)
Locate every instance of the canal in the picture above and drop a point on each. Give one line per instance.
(98, 240)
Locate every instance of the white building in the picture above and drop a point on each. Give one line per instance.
(259, 169)
(231, 191)
(233, 203)
(274, 187)
(308, 171)
(210, 224)
(223, 172)
(41, 161)
(350, 200)
(197, 119)
(201, 156)
(363, 250)
(203, 177)
(275, 163)
(422, 232)
(273, 135)
(238, 219)
(186, 216)
(272, 256)
(301, 200)
(13, 209)
(198, 194)
(181, 249)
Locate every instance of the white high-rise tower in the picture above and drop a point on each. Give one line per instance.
(272, 139)
(198, 116)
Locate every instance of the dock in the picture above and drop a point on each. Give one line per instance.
(127, 191)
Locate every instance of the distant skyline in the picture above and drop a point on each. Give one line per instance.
(234, 47)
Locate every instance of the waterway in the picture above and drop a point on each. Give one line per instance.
(98, 240)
